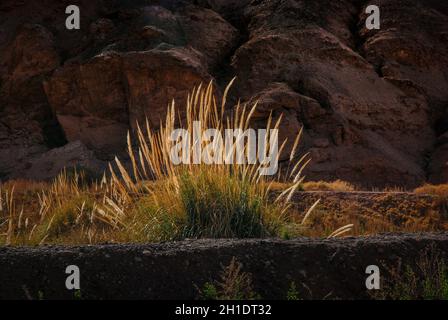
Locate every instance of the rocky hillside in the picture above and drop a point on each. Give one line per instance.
(374, 104)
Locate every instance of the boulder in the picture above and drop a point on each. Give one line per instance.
(207, 32)
(90, 103)
(74, 155)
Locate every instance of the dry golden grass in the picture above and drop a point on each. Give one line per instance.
(21, 220)
(440, 190)
(370, 214)
(206, 200)
(337, 185)
(385, 213)
(64, 211)
(374, 213)
(363, 223)
(157, 200)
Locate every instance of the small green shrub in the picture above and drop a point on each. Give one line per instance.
(428, 280)
(77, 295)
(292, 293)
(234, 284)
(209, 292)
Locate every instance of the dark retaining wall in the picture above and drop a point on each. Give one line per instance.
(173, 270)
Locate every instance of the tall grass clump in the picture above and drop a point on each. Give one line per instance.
(205, 200)
(150, 198)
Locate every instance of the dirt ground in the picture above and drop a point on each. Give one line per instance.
(330, 269)
(374, 212)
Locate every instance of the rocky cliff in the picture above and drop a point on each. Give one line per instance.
(374, 103)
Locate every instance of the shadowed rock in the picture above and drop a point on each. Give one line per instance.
(372, 102)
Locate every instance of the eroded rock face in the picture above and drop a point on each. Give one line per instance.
(376, 130)
(155, 77)
(372, 102)
(438, 169)
(25, 116)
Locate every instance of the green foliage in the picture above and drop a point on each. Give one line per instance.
(292, 293)
(152, 223)
(221, 207)
(209, 292)
(77, 295)
(67, 217)
(428, 280)
(234, 284)
(204, 205)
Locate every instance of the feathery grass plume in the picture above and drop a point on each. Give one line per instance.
(341, 231)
